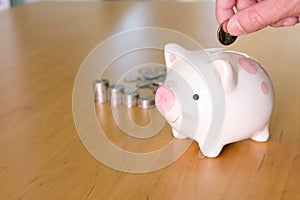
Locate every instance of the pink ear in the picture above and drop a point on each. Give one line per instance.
(171, 58)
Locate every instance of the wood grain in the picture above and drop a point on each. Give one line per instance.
(42, 46)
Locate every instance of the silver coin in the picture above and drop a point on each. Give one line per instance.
(100, 84)
(146, 102)
(224, 37)
(144, 84)
(144, 71)
(130, 98)
(115, 93)
(100, 89)
(159, 81)
(101, 97)
(118, 88)
(153, 85)
(161, 70)
(130, 79)
(153, 75)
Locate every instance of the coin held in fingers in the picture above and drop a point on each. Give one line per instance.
(224, 37)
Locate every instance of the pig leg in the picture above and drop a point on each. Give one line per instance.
(178, 135)
(214, 152)
(261, 136)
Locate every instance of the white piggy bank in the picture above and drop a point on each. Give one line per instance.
(215, 96)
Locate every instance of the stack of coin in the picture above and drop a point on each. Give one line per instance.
(100, 89)
(146, 102)
(130, 98)
(140, 88)
(115, 93)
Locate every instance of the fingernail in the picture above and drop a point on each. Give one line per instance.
(235, 28)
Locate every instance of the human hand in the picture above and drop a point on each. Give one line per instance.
(254, 15)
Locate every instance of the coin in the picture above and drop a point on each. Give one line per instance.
(144, 70)
(115, 93)
(152, 75)
(224, 37)
(100, 88)
(100, 84)
(144, 84)
(130, 79)
(146, 102)
(130, 98)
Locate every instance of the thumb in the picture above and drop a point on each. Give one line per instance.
(257, 17)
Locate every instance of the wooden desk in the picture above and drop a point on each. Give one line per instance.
(42, 45)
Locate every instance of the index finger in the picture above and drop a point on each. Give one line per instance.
(224, 9)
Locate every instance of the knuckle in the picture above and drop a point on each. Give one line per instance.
(257, 20)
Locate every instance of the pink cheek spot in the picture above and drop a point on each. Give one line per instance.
(265, 88)
(248, 65)
(172, 58)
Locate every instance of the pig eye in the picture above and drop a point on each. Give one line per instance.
(196, 97)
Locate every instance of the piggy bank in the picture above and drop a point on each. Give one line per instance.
(215, 97)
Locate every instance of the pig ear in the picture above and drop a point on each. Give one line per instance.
(225, 74)
(170, 58)
(173, 53)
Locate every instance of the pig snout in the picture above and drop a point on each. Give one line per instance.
(167, 103)
(164, 99)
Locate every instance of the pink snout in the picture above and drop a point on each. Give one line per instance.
(166, 102)
(164, 99)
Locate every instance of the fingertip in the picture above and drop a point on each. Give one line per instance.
(221, 19)
(224, 10)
